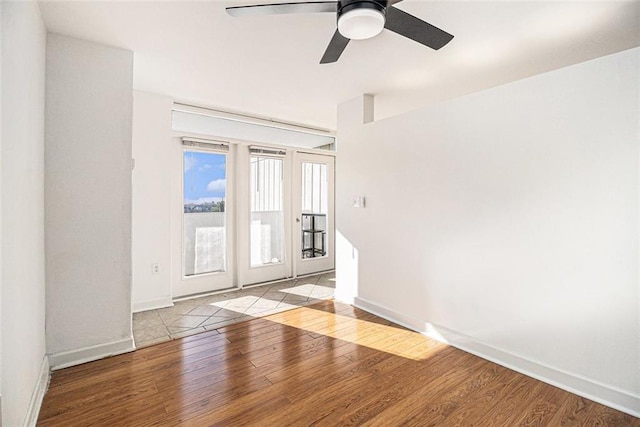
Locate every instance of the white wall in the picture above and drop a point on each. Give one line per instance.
(22, 178)
(88, 200)
(1, 54)
(151, 219)
(508, 220)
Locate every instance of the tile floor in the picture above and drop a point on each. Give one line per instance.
(201, 314)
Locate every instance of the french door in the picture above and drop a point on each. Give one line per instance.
(314, 222)
(264, 215)
(250, 215)
(204, 221)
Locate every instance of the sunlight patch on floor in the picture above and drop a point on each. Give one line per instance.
(389, 339)
(240, 302)
(308, 290)
(302, 290)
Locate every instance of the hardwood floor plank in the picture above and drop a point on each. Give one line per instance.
(279, 348)
(326, 364)
(469, 380)
(574, 411)
(510, 403)
(297, 391)
(544, 407)
(208, 374)
(217, 400)
(170, 365)
(314, 406)
(306, 369)
(125, 360)
(245, 411)
(430, 398)
(393, 379)
(601, 415)
(482, 400)
(96, 404)
(218, 397)
(284, 354)
(255, 328)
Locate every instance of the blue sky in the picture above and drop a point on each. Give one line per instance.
(204, 177)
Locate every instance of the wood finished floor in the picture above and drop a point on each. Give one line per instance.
(326, 364)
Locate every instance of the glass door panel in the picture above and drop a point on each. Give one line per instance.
(314, 210)
(314, 219)
(264, 215)
(267, 213)
(202, 255)
(204, 222)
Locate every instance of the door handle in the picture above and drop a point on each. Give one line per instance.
(297, 219)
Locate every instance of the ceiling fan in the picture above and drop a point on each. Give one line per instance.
(357, 20)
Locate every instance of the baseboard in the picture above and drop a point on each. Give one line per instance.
(89, 354)
(315, 273)
(38, 394)
(582, 386)
(152, 304)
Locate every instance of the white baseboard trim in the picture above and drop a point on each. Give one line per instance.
(89, 354)
(38, 394)
(577, 384)
(152, 304)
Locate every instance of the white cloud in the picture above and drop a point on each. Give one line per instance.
(204, 167)
(217, 185)
(189, 162)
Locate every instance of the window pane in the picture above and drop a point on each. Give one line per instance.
(204, 233)
(314, 210)
(267, 216)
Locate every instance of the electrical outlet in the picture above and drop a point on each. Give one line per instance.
(155, 268)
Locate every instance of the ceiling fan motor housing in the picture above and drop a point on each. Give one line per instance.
(347, 5)
(361, 19)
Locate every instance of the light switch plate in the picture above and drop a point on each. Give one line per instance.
(358, 202)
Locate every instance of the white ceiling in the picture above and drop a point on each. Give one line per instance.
(269, 65)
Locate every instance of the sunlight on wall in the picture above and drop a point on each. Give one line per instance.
(346, 269)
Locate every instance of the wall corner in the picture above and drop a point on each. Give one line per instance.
(357, 111)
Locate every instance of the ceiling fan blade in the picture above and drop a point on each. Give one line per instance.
(416, 29)
(281, 8)
(334, 50)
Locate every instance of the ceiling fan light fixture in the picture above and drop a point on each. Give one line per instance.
(363, 21)
(356, 19)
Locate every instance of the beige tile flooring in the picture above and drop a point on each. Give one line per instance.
(201, 314)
